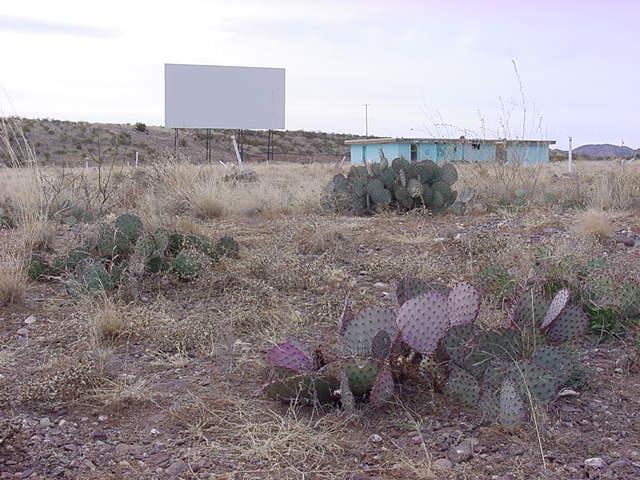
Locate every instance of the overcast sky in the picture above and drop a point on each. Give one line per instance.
(426, 68)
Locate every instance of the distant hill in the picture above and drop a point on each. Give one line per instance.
(58, 142)
(605, 150)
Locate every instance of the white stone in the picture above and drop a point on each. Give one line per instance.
(375, 438)
(30, 320)
(595, 462)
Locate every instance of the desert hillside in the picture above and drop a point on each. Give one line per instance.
(59, 142)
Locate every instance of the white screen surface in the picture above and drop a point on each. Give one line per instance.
(207, 96)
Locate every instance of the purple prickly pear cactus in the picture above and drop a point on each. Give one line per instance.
(287, 355)
(383, 388)
(463, 304)
(423, 321)
(557, 305)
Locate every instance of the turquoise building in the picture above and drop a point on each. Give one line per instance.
(442, 150)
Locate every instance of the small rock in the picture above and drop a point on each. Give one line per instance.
(30, 320)
(461, 453)
(100, 435)
(102, 418)
(176, 468)
(22, 332)
(154, 432)
(375, 438)
(595, 462)
(515, 450)
(619, 464)
(625, 240)
(567, 392)
(380, 285)
(45, 422)
(442, 464)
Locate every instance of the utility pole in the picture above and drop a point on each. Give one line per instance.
(366, 119)
(570, 159)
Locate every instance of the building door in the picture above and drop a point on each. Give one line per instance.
(414, 152)
(501, 152)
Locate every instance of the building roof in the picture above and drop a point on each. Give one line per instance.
(376, 141)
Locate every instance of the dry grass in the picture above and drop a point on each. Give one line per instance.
(13, 279)
(319, 239)
(284, 444)
(599, 184)
(594, 222)
(108, 321)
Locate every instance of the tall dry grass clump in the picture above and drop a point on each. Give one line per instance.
(618, 188)
(203, 191)
(30, 204)
(594, 222)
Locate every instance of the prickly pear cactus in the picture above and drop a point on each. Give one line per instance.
(358, 334)
(187, 264)
(361, 374)
(227, 247)
(423, 321)
(309, 389)
(529, 311)
(130, 227)
(90, 277)
(459, 343)
(37, 267)
(512, 410)
(291, 357)
(404, 185)
(557, 304)
(569, 325)
(463, 304)
(381, 345)
(383, 388)
(463, 387)
(410, 287)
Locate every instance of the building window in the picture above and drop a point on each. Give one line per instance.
(475, 146)
(414, 152)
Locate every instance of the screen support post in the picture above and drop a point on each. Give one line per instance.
(208, 145)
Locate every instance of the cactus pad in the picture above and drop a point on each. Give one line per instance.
(410, 287)
(361, 375)
(529, 310)
(423, 321)
(227, 247)
(90, 277)
(462, 387)
(489, 404)
(463, 304)
(570, 325)
(289, 356)
(129, 226)
(557, 304)
(187, 264)
(512, 410)
(381, 345)
(359, 332)
(556, 361)
(306, 388)
(531, 377)
(459, 342)
(448, 174)
(383, 388)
